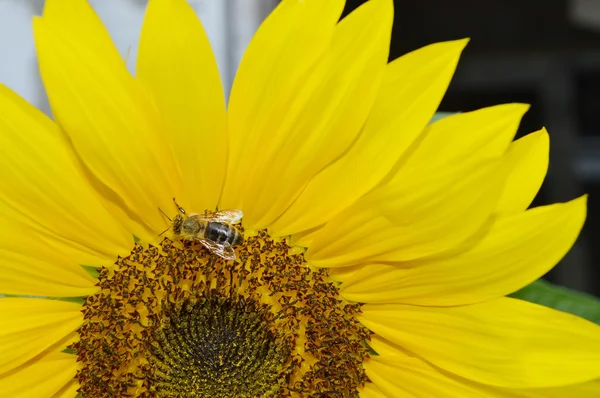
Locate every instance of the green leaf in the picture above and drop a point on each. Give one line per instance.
(562, 299)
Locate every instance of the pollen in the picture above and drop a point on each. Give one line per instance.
(174, 320)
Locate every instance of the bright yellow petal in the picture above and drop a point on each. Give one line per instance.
(30, 267)
(370, 390)
(176, 62)
(590, 389)
(412, 89)
(400, 373)
(504, 342)
(466, 137)
(29, 326)
(305, 238)
(409, 376)
(398, 382)
(307, 121)
(78, 17)
(43, 186)
(107, 115)
(532, 154)
(49, 375)
(280, 57)
(413, 377)
(427, 216)
(341, 274)
(517, 250)
(68, 391)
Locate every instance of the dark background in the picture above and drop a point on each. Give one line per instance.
(534, 52)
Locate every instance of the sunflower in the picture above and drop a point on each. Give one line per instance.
(377, 249)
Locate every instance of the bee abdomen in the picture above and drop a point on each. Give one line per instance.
(238, 239)
(221, 233)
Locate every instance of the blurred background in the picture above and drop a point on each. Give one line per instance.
(546, 54)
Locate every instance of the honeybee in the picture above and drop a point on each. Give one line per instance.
(213, 229)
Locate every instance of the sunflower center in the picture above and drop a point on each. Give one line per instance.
(175, 320)
(217, 347)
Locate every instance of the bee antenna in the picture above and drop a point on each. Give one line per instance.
(163, 213)
(179, 207)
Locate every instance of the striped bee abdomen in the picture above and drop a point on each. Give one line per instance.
(222, 233)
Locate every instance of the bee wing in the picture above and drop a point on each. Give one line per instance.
(225, 250)
(231, 216)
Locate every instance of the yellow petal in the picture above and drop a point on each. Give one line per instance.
(30, 267)
(484, 134)
(400, 373)
(280, 56)
(504, 342)
(518, 249)
(416, 378)
(412, 89)
(465, 137)
(409, 221)
(341, 274)
(589, 389)
(305, 238)
(176, 62)
(49, 375)
(78, 17)
(399, 382)
(69, 390)
(370, 390)
(306, 122)
(108, 117)
(29, 326)
(409, 376)
(531, 153)
(43, 186)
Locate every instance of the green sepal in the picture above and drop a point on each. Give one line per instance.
(562, 299)
(68, 351)
(372, 352)
(136, 239)
(93, 271)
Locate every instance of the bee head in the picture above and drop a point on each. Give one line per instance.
(177, 222)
